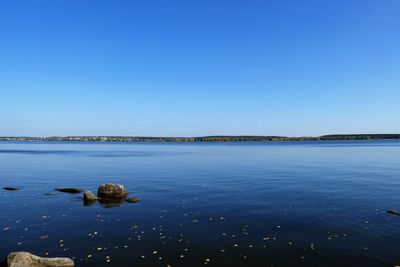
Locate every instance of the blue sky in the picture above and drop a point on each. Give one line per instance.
(193, 68)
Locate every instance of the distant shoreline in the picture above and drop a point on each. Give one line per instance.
(139, 139)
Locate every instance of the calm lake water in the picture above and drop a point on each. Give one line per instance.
(214, 204)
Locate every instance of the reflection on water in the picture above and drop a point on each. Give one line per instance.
(230, 204)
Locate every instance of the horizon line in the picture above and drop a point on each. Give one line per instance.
(201, 136)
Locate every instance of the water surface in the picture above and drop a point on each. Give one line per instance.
(217, 204)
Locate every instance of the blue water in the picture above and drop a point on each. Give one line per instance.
(215, 204)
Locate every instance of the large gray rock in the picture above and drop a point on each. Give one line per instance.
(26, 259)
(112, 191)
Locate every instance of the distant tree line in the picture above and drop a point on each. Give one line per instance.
(359, 136)
(202, 139)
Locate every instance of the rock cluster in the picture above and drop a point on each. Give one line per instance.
(111, 195)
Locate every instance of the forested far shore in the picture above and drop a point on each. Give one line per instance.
(202, 139)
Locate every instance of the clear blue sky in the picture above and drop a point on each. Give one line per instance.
(202, 67)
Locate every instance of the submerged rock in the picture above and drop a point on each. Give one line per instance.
(113, 201)
(112, 191)
(69, 190)
(394, 212)
(88, 203)
(26, 259)
(109, 205)
(132, 199)
(10, 188)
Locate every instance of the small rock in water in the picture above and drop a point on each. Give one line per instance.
(394, 212)
(112, 191)
(10, 188)
(69, 190)
(89, 196)
(26, 259)
(132, 200)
